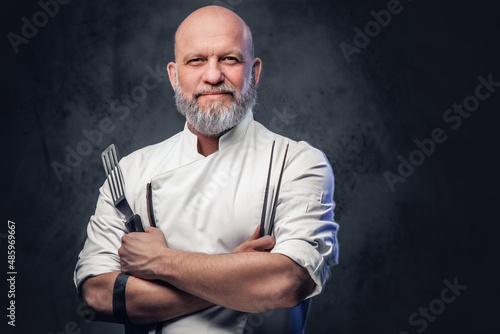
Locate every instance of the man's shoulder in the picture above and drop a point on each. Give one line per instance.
(305, 157)
(300, 149)
(145, 154)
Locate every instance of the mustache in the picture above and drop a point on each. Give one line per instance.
(218, 89)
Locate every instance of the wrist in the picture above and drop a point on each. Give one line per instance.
(169, 264)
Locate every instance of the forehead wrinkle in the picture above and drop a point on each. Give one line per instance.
(222, 46)
(208, 53)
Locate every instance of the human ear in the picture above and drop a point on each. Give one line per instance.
(257, 68)
(172, 70)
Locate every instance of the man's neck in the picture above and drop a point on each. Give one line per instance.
(206, 144)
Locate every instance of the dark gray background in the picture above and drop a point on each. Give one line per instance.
(397, 247)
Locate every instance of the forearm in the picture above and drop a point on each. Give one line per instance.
(147, 301)
(250, 282)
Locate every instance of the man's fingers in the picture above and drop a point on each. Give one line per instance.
(265, 243)
(256, 243)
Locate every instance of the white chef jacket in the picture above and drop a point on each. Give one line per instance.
(212, 204)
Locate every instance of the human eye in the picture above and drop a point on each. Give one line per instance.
(231, 60)
(194, 61)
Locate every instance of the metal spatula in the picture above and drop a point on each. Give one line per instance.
(115, 181)
(134, 224)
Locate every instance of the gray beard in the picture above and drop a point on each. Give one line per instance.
(215, 118)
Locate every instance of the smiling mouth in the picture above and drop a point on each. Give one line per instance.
(216, 93)
(213, 94)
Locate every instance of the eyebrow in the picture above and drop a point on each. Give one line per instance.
(200, 55)
(191, 56)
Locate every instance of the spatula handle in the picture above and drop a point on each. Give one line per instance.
(134, 224)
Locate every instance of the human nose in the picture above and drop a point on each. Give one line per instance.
(213, 74)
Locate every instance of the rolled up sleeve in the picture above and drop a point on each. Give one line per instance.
(104, 233)
(304, 228)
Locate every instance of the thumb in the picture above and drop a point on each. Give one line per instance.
(149, 229)
(263, 244)
(255, 234)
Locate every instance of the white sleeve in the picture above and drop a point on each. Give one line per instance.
(304, 228)
(104, 233)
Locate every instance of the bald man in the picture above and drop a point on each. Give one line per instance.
(207, 190)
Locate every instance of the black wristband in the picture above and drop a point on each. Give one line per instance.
(119, 304)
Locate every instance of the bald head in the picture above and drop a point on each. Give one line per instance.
(213, 22)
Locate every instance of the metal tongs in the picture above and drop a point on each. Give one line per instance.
(266, 194)
(115, 181)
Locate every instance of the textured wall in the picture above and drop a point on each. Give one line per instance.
(75, 74)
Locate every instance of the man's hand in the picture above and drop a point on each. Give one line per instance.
(256, 244)
(270, 280)
(140, 253)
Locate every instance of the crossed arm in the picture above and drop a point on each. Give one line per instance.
(167, 283)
